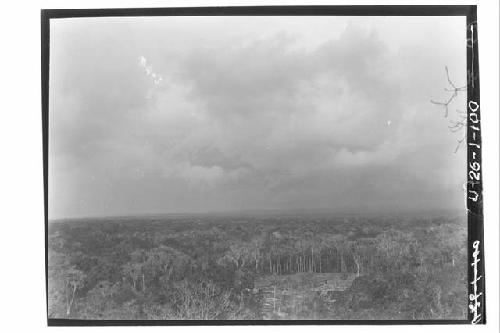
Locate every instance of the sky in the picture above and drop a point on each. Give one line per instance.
(153, 115)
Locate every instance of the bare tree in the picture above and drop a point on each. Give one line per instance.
(458, 124)
(64, 282)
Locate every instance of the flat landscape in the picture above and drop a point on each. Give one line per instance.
(259, 266)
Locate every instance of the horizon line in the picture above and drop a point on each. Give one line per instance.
(268, 212)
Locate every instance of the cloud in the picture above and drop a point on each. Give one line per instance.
(259, 118)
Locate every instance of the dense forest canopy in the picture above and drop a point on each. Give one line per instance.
(266, 267)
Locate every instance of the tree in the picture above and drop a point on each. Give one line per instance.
(133, 270)
(238, 253)
(64, 282)
(255, 249)
(157, 265)
(460, 122)
(163, 262)
(191, 300)
(99, 301)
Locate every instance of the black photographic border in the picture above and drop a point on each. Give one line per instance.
(475, 218)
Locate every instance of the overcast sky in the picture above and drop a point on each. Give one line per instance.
(204, 114)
